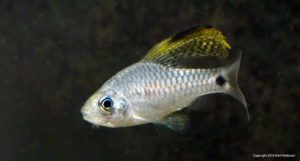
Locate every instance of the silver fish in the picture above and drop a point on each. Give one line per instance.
(155, 88)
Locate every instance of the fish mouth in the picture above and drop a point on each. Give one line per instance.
(97, 123)
(89, 119)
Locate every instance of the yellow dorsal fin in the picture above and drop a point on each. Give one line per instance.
(196, 42)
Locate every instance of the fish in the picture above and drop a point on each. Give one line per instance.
(157, 88)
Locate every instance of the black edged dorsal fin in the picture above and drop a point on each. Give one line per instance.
(195, 42)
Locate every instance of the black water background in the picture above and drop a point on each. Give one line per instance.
(55, 54)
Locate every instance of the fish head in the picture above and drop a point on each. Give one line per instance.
(106, 107)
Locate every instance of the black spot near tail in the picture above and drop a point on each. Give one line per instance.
(220, 80)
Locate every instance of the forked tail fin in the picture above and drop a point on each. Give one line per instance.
(231, 75)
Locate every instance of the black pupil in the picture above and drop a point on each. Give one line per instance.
(107, 103)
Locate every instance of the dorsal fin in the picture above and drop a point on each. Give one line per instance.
(196, 42)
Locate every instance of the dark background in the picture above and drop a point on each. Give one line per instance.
(55, 54)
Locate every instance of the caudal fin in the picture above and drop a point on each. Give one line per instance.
(231, 76)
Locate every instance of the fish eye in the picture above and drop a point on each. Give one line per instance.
(106, 104)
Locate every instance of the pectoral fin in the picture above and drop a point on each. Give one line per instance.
(176, 121)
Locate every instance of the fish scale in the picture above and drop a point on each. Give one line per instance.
(153, 89)
(149, 82)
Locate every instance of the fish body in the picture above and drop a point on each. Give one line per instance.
(153, 89)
